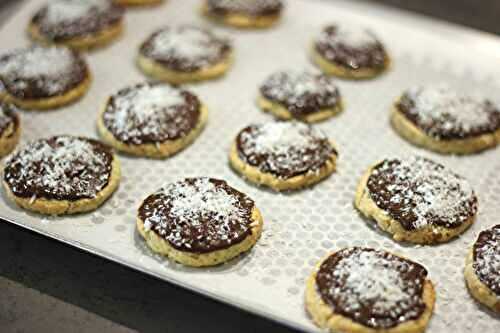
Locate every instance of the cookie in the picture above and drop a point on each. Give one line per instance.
(482, 268)
(184, 54)
(199, 222)
(300, 95)
(244, 13)
(43, 78)
(416, 200)
(283, 155)
(79, 24)
(133, 3)
(152, 120)
(368, 291)
(10, 128)
(61, 175)
(349, 52)
(440, 119)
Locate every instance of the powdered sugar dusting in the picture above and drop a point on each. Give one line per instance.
(487, 258)
(420, 193)
(49, 68)
(441, 109)
(375, 282)
(197, 212)
(68, 10)
(57, 168)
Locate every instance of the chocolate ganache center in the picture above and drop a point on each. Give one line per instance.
(151, 113)
(444, 114)
(284, 149)
(8, 117)
(351, 47)
(417, 192)
(59, 168)
(374, 288)
(486, 254)
(60, 20)
(38, 72)
(245, 7)
(302, 93)
(198, 215)
(186, 48)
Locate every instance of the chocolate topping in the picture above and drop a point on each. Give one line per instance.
(151, 113)
(198, 215)
(351, 47)
(59, 168)
(418, 192)
(444, 114)
(185, 48)
(61, 20)
(245, 7)
(374, 288)
(486, 254)
(284, 149)
(38, 72)
(302, 93)
(8, 117)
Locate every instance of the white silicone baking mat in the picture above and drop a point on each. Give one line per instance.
(303, 226)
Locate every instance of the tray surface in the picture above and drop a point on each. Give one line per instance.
(300, 227)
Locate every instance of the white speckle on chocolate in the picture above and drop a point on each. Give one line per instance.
(285, 149)
(151, 113)
(486, 261)
(198, 214)
(376, 288)
(185, 47)
(41, 72)
(445, 113)
(301, 93)
(61, 168)
(418, 193)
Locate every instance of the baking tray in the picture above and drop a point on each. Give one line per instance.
(300, 227)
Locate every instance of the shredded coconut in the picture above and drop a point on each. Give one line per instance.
(58, 167)
(68, 10)
(487, 261)
(151, 113)
(348, 35)
(424, 190)
(372, 287)
(445, 109)
(301, 89)
(48, 67)
(285, 148)
(186, 44)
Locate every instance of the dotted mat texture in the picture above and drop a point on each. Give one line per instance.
(300, 227)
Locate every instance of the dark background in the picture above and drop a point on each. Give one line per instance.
(49, 287)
